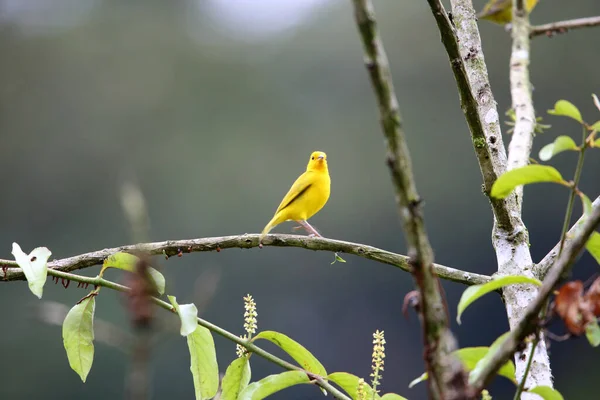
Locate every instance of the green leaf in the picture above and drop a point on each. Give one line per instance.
(508, 181)
(546, 393)
(566, 109)
(592, 332)
(34, 266)
(593, 246)
(596, 126)
(392, 396)
(303, 357)
(188, 314)
(474, 292)
(507, 370)
(236, 378)
(418, 379)
(597, 143)
(471, 356)
(78, 336)
(127, 261)
(560, 144)
(205, 370)
(338, 259)
(586, 203)
(349, 383)
(272, 384)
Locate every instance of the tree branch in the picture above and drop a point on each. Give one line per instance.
(98, 281)
(529, 322)
(174, 247)
(563, 26)
(447, 379)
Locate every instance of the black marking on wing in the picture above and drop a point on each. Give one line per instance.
(300, 193)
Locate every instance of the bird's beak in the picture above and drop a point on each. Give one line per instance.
(321, 157)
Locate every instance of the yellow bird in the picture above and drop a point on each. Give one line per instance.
(500, 11)
(306, 197)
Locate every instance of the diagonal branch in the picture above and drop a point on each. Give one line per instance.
(528, 323)
(447, 379)
(98, 281)
(542, 268)
(171, 248)
(563, 26)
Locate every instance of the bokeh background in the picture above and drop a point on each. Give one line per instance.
(212, 108)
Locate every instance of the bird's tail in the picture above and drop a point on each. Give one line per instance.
(276, 220)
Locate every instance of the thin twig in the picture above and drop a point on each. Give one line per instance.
(447, 379)
(542, 268)
(98, 281)
(528, 323)
(563, 26)
(247, 241)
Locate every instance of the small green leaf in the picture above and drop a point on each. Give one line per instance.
(303, 357)
(596, 126)
(596, 143)
(592, 332)
(188, 314)
(507, 370)
(560, 144)
(34, 266)
(236, 378)
(593, 246)
(567, 109)
(78, 336)
(586, 203)
(127, 261)
(470, 356)
(419, 379)
(349, 384)
(272, 384)
(546, 393)
(392, 396)
(338, 258)
(474, 292)
(534, 173)
(204, 367)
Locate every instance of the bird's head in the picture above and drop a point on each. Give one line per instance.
(317, 161)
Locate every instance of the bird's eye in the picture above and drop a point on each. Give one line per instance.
(312, 158)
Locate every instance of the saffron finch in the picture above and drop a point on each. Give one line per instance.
(306, 197)
(500, 11)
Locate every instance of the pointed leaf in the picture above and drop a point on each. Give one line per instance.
(593, 246)
(560, 144)
(127, 261)
(586, 203)
(418, 379)
(78, 336)
(303, 357)
(188, 314)
(546, 393)
(474, 292)
(597, 143)
(470, 357)
(349, 383)
(236, 378)
(392, 396)
(272, 384)
(595, 126)
(34, 266)
(567, 109)
(596, 102)
(592, 332)
(204, 367)
(508, 181)
(507, 370)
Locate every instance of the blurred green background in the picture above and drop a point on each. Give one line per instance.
(213, 107)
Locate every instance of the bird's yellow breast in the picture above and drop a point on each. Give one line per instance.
(311, 199)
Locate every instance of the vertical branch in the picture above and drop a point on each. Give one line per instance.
(446, 375)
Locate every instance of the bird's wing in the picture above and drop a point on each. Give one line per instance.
(298, 188)
(494, 7)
